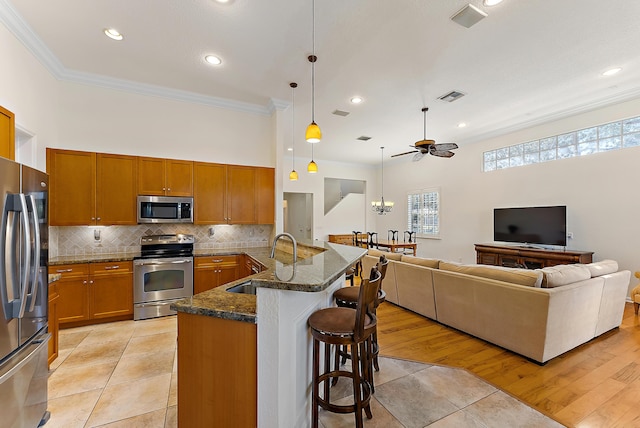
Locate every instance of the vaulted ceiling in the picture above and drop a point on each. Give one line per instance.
(527, 62)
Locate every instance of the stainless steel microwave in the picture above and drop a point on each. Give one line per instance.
(165, 209)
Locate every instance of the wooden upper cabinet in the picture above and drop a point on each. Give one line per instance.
(265, 195)
(91, 189)
(7, 134)
(72, 178)
(210, 193)
(116, 187)
(165, 177)
(179, 177)
(241, 191)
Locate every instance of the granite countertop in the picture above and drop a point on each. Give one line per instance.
(93, 258)
(311, 274)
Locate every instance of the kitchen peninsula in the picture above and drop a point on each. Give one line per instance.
(245, 360)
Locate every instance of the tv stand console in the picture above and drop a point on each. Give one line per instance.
(531, 258)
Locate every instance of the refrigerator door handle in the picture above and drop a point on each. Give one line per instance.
(20, 305)
(4, 284)
(34, 249)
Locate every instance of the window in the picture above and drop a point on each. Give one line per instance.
(601, 138)
(423, 212)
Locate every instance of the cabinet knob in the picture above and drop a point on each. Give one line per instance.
(91, 282)
(163, 189)
(84, 282)
(168, 189)
(93, 218)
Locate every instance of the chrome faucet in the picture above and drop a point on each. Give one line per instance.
(293, 240)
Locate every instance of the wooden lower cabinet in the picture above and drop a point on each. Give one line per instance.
(53, 322)
(94, 291)
(217, 372)
(213, 271)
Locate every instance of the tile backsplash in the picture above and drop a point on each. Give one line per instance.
(80, 240)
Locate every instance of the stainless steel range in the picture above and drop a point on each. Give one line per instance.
(162, 274)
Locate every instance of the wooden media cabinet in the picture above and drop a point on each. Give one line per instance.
(531, 258)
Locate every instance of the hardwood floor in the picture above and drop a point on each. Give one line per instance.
(594, 385)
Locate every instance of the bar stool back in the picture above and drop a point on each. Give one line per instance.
(351, 327)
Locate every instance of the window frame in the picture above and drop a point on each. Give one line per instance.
(438, 214)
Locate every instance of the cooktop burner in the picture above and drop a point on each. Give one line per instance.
(157, 246)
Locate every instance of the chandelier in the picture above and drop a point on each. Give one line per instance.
(381, 207)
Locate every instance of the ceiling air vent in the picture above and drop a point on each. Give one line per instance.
(451, 96)
(468, 16)
(363, 138)
(341, 113)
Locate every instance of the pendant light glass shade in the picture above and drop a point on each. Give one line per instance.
(293, 175)
(313, 134)
(312, 168)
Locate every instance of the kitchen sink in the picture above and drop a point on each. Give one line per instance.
(243, 288)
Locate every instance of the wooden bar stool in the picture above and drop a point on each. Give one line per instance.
(349, 327)
(347, 297)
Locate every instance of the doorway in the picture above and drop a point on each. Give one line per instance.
(298, 215)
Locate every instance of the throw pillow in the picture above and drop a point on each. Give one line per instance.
(527, 277)
(603, 267)
(556, 276)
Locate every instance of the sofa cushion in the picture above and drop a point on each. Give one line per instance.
(556, 276)
(430, 263)
(387, 254)
(603, 267)
(530, 278)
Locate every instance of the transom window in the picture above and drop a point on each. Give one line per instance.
(423, 212)
(601, 138)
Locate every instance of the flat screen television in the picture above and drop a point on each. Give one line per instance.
(531, 225)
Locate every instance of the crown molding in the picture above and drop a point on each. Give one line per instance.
(276, 104)
(23, 32)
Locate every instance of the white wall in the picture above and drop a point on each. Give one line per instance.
(314, 183)
(600, 192)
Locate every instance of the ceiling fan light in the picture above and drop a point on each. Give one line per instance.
(313, 134)
(312, 168)
(293, 175)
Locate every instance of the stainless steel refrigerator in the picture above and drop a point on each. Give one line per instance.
(23, 296)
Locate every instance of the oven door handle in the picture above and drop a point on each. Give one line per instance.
(175, 262)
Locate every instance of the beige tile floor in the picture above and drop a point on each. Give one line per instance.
(124, 374)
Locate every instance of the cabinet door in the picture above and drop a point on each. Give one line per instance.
(241, 194)
(265, 195)
(111, 287)
(151, 176)
(53, 322)
(116, 189)
(228, 273)
(204, 278)
(7, 134)
(72, 187)
(73, 301)
(179, 177)
(209, 200)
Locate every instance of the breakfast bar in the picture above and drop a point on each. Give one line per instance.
(249, 356)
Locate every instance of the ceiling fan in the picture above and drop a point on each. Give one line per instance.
(425, 146)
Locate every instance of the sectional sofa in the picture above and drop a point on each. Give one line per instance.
(538, 313)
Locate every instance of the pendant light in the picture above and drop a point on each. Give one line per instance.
(313, 134)
(312, 168)
(381, 207)
(293, 175)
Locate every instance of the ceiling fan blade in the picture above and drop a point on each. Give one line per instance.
(442, 153)
(418, 156)
(402, 154)
(446, 146)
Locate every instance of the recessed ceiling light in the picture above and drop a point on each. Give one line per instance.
(612, 71)
(212, 59)
(112, 33)
(462, 125)
(222, 1)
(492, 2)
(356, 100)
(289, 149)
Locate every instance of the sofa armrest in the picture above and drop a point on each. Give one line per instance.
(614, 295)
(415, 288)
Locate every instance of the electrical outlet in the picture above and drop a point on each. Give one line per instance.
(570, 235)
